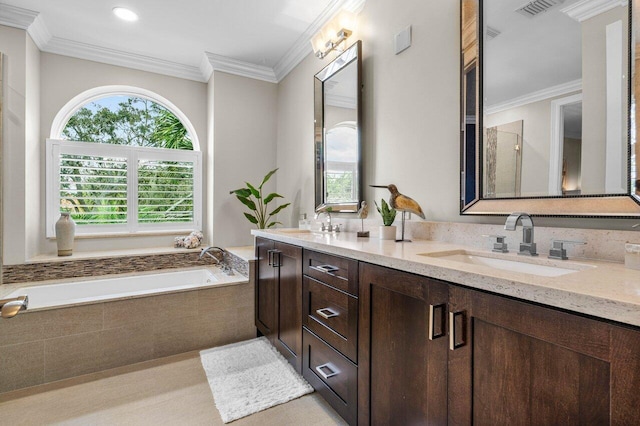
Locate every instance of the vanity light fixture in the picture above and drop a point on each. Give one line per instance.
(334, 33)
(125, 14)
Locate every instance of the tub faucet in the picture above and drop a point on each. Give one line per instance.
(9, 308)
(207, 251)
(527, 246)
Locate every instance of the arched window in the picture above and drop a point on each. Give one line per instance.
(123, 161)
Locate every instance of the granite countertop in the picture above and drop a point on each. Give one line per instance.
(601, 289)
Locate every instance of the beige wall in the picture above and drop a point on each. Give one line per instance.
(34, 170)
(13, 44)
(62, 78)
(244, 149)
(411, 110)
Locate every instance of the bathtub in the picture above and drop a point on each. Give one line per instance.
(83, 326)
(72, 293)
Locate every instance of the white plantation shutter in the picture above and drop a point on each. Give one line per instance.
(123, 189)
(165, 191)
(104, 177)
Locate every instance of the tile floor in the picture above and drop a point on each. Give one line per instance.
(172, 390)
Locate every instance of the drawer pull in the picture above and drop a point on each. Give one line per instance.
(440, 311)
(332, 370)
(325, 269)
(457, 340)
(326, 313)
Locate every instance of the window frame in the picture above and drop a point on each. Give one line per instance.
(54, 147)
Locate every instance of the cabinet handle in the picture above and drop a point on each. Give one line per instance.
(276, 259)
(457, 340)
(325, 269)
(442, 318)
(330, 367)
(326, 313)
(270, 257)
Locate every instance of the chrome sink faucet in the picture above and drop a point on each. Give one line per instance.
(323, 209)
(527, 246)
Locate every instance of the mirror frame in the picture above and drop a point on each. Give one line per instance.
(351, 54)
(598, 205)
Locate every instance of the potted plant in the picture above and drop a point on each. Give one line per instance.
(253, 199)
(388, 231)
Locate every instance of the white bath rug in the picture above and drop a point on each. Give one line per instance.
(250, 376)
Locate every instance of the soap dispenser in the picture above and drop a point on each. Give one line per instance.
(303, 222)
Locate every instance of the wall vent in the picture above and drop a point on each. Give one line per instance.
(491, 32)
(537, 7)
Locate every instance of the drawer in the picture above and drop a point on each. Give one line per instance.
(338, 272)
(332, 375)
(332, 315)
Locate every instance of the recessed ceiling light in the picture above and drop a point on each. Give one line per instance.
(125, 14)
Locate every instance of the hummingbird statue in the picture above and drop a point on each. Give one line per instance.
(402, 203)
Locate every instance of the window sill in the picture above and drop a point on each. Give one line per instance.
(46, 258)
(128, 235)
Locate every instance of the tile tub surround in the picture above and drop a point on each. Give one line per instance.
(44, 346)
(240, 258)
(109, 264)
(608, 291)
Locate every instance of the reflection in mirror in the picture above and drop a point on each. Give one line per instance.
(337, 121)
(562, 69)
(503, 160)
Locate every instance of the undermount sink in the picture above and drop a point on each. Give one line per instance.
(526, 265)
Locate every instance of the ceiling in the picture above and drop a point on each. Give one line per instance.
(263, 39)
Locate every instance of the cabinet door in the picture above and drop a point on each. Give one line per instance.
(289, 289)
(265, 289)
(402, 374)
(517, 363)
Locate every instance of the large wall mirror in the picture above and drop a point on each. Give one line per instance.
(548, 108)
(338, 123)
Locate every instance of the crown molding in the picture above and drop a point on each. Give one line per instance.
(241, 68)
(16, 17)
(29, 20)
(540, 95)
(39, 33)
(61, 46)
(586, 9)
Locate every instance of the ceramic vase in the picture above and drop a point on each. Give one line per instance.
(65, 232)
(388, 232)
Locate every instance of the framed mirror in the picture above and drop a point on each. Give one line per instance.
(548, 91)
(338, 132)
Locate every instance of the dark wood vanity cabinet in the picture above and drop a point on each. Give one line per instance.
(278, 295)
(402, 348)
(330, 334)
(435, 353)
(384, 346)
(518, 363)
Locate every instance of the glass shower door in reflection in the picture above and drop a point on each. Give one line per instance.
(503, 160)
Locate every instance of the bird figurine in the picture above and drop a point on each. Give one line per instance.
(403, 204)
(363, 213)
(400, 202)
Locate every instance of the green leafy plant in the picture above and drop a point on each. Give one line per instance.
(253, 199)
(388, 214)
